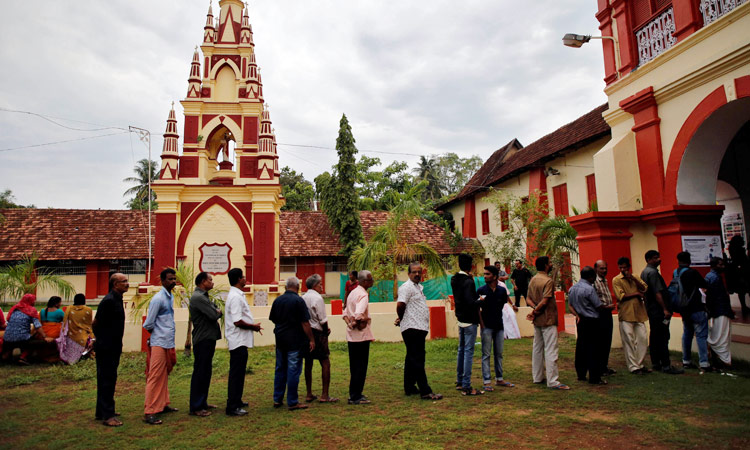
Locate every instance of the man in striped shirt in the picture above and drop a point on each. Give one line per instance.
(605, 314)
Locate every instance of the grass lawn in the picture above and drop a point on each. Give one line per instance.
(53, 407)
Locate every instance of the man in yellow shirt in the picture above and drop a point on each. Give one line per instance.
(630, 291)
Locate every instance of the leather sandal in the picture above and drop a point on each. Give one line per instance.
(152, 420)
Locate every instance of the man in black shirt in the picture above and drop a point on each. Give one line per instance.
(205, 316)
(694, 316)
(467, 315)
(294, 338)
(109, 327)
(491, 321)
(520, 278)
(658, 310)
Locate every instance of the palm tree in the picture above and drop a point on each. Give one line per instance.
(558, 241)
(182, 292)
(25, 278)
(140, 190)
(388, 248)
(428, 170)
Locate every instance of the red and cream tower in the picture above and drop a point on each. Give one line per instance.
(217, 212)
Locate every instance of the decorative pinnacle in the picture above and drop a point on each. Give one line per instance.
(172, 104)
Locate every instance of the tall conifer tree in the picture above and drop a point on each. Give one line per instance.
(340, 199)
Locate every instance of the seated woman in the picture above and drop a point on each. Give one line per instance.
(77, 336)
(18, 329)
(51, 317)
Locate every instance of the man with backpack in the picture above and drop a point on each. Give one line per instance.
(659, 313)
(690, 306)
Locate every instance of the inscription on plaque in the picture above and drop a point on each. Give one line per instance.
(215, 258)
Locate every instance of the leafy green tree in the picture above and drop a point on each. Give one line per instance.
(339, 197)
(8, 201)
(299, 192)
(25, 277)
(139, 190)
(455, 172)
(387, 251)
(531, 232)
(373, 185)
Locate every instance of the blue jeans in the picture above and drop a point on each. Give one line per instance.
(695, 324)
(288, 369)
(467, 336)
(492, 339)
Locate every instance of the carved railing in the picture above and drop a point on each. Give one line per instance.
(656, 37)
(712, 10)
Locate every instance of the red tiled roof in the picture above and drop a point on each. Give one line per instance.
(307, 233)
(77, 234)
(505, 163)
(70, 234)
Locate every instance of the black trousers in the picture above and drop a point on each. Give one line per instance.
(414, 372)
(107, 361)
(236, 382)
(588, 349)
(359, 355)
(203, 354)
(518, 294)
(658, 345)
(605, 329)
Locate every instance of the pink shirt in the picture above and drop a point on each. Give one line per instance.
(357, 309)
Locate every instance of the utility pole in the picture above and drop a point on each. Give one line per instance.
(145, 136)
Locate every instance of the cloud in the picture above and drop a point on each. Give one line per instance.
(414, 78)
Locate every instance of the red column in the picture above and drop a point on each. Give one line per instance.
(102, 284)
(604, 235)
(642, 106)
(625, 37)
(687, 18)
(92, 279)
(673, 222)
(604, 15)
(470, 218)
(560, 303)
(164, 244)
(438, 328)
(264, 261)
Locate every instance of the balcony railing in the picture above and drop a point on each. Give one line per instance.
(656, 37)
(712, 10)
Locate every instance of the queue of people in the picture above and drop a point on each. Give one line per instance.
(301, 331)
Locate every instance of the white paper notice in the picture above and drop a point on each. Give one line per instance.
(702, 248)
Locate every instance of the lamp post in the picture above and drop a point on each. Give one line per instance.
(145, 136)
(577, 40)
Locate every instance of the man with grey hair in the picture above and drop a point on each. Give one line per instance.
(414, 320)
(316, 306)
(294, 339)
(358, 336)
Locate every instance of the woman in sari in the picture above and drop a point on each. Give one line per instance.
(76, 337)
(18, 331)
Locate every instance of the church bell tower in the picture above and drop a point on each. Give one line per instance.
(219, 201)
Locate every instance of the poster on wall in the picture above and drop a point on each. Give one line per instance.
(260, 298)
(215, 258)
(732, 225)
(702, 248)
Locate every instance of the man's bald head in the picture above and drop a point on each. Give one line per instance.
(118, 282)
(601, 268)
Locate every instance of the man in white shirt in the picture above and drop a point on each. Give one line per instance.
(319, 324)
(238, 329)
(414, 320)
(358, 336)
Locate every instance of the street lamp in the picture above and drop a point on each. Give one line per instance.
(577, 40)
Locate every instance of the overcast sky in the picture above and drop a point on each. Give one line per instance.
(413, 77)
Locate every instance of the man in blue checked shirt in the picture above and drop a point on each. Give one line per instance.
(161, 354)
